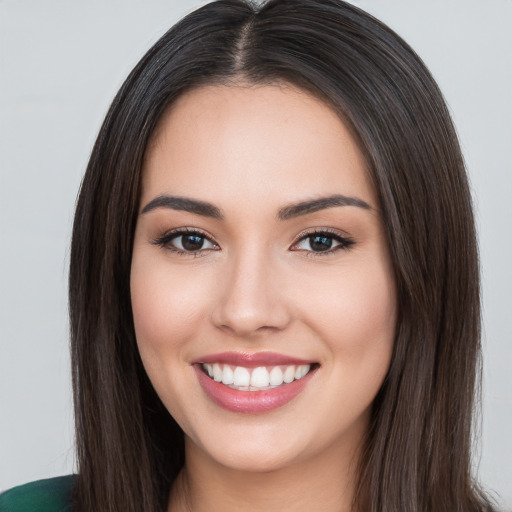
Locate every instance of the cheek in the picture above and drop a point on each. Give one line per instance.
(166, 307)
(357, 324)
(372, 306)
(356, 312)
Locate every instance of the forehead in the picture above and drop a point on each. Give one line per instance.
(272, 142)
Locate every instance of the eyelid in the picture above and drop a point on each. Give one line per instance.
(163, 239)
(345, 241)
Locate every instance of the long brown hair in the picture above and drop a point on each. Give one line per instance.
(417, 452)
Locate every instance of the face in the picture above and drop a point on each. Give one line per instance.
(262, 288)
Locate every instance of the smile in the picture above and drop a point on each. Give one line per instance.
(253, 383)
(255, 379)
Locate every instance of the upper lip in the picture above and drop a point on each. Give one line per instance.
(248, 360)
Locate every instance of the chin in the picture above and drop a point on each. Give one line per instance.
(253, 460)
(257, 451)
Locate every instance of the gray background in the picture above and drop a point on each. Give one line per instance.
(61, 62)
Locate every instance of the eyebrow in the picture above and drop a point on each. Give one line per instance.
(184, 204)
(304, 207)
(291, 211)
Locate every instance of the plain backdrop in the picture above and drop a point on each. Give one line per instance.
(62, 61)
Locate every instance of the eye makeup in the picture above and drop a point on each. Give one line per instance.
(194, 242)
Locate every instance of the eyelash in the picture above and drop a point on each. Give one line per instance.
(164, 240)
(345, 242)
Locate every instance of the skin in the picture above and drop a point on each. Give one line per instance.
(258, 285)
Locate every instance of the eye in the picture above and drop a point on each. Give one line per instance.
(322, 242)
(186, 241)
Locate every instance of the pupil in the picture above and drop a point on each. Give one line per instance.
(320, 243)
(192, 242)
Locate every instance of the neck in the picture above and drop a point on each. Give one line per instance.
(325, 482)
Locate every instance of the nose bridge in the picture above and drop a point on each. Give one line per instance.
(250, 298)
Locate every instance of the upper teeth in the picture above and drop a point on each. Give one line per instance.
(253, 379)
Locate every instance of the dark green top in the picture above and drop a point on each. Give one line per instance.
(51, 495)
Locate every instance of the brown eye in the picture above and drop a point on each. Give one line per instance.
(191, 242)
(185, 241)
(320, 242)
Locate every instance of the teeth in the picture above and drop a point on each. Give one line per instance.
(254, 379)
(301, 371)
(289, 374)
(260, 377)
(276, 376)
(227, 375)
(242, 377)
(217, 372)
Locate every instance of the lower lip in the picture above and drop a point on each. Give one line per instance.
(250, 401)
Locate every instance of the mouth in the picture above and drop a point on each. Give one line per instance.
(260, 378)
(253, 383)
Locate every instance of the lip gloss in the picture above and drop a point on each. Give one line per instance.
(248, 360)
(251, 402)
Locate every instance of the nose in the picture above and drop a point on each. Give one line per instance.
(252, 297)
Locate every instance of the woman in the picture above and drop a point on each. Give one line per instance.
(272, 288)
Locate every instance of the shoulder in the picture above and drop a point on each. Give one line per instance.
(50, 495)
